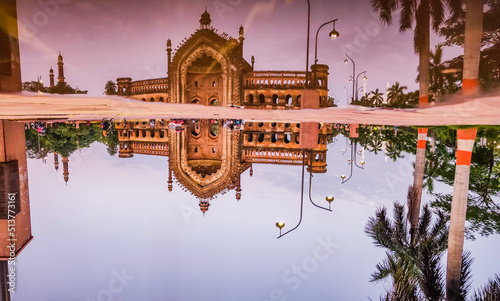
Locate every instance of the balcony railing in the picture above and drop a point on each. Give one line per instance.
(285, 79)
(150, 86)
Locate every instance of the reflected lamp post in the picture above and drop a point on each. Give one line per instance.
(354, 153)
(357, 80)
(329, 199)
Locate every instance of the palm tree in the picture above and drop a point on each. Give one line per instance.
(110, 88)
(418, 12)
(413, 266)
(437, 77)
(472, 47)
(376, 98)
(395, 95)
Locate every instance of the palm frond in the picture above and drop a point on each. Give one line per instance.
(490, 291)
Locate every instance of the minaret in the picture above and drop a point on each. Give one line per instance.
(51, 75)
(169, 178)
(169, 54)
(238, 188)
(65, 161)
(253, 62)
(242, 38)
(205, 20)
(60, 64)
(56, 161)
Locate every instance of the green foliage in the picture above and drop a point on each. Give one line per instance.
(489, 66)
(34, 86)
(110, 88)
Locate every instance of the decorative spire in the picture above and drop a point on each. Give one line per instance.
(205, 20)
(204, 206)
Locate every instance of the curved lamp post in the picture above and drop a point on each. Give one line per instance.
(353, 159)
(329, 199)
(310, 186)
(353, 73)
(357, 80)
(333, 34)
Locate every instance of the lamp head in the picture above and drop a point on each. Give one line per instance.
(329, 199)
(365, 78)
(334, 34)
(363, 162)
(280, 225)
(343, 177)
(346, 61)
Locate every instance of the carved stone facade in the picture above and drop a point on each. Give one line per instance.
(208, 68)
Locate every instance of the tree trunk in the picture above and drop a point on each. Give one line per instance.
(466, 140)
(472, 46)
(418, 180)
(424, 50)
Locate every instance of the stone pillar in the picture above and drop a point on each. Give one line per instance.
(10, 63)
(14, 164)
(310, 99)
(309, 134)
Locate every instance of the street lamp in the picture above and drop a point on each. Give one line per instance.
(329, 199)
(333, 34)
(357, 80)
(353, 72)
(310, 184)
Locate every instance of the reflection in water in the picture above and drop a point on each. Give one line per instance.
(15, 220)
(207, 159)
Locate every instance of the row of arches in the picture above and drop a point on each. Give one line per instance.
(273, 138)
(152, 99)
(274, 99)
(147, 89)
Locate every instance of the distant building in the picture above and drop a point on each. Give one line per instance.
(208, 68)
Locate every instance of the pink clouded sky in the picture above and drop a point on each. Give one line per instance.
(103, 39)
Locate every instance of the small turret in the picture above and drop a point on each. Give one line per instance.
(65, 161)
(205, 20)
(253, 62)
(169, 53)
(204, 206)
(56, 161)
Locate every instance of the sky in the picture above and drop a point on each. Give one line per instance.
(117, 216)
(102, 40)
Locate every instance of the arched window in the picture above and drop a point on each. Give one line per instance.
(261, 124)
(262, 98)
(273, 124)
(152, 99)
(275, 99)
(214, 102)
(274, 138)
(261, 137)
(250, 137)
(320, 82)
(250, 98)
(196, 84)
(299, 100)
(289, 99)
(195, 100)
(214, 84)
(287, 138)
(144, 99)
(161, 99)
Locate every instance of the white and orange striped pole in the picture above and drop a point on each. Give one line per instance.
(466, 139)
(418, 177)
